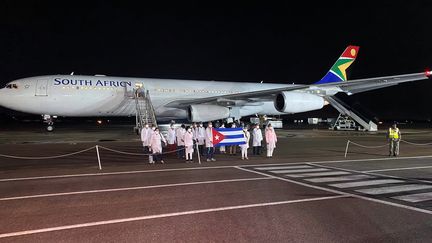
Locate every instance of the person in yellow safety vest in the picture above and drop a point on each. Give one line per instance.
(394, 137)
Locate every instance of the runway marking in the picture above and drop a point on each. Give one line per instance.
(325, 173)
(339, 178)
(415, 197)
(342, 193)
(297, 171)
(206, 168)
(131, 188)
(365, 183)
(371, 173)
(393, 189)
(402, 168)
(285, 167)
(200, 211)
(294, 175)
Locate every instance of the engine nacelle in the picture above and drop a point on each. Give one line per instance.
(294, 102)
(203, 113)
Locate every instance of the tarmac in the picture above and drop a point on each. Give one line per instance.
(308, 192)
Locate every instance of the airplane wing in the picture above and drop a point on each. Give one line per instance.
(349, 87)
(362, 85)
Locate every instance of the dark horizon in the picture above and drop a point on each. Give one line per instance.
(253, 42)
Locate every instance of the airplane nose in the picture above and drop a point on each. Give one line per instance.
(3, 98)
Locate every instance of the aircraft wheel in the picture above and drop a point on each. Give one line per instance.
(50, 128)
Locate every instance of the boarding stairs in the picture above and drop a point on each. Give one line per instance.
(346, 111)
(144, 110)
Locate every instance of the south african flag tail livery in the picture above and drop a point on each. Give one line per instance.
(337, 72)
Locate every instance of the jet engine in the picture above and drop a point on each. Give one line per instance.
(203, 113)
(294, 102)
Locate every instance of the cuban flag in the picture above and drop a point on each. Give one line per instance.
(228, 136)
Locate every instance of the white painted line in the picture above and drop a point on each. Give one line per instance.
(393, 189)
(371, 173)
(365, 183)
(339, 178)
(402, 168)
(124, 220)
(330, 173)
(420, 210)
(283, 167)
(131, 188)
(297, 171)
(420, 197)
(113, 173)
(207, 168)
(294, 175)
(374, 159)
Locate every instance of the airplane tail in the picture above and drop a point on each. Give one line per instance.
(337, 72)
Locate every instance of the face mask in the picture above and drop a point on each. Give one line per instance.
(200, 125)
(146, 126)
(210, 125)
(153, 128)
(189, 130)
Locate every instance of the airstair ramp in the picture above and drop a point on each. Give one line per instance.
(344, 109)
(144, 110)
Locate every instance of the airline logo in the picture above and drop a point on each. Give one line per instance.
(228, 136)
(89, 82)
(337, 73)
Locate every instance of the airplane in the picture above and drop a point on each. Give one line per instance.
(198, 101)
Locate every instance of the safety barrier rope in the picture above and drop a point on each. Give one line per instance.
(416, 144)
(47, 157)
(97, 147)
(370, 147)
(380, 146)
(137, 154)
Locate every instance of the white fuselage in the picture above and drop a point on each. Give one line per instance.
(73, 95)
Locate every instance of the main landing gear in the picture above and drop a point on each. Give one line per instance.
(49, 120)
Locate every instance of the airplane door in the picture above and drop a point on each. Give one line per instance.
(42, 88)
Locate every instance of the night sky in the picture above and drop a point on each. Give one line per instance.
(232, 42)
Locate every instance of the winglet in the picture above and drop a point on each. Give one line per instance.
(337, 72)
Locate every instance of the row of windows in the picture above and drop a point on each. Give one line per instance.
(196, 91)
(157, 90)
(88, 88)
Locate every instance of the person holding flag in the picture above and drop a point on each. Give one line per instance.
(201, 138)
(209, 142)
(244, 147)
(222, 149)
(271, 140)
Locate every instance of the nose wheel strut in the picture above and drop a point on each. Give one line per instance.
(49, 121)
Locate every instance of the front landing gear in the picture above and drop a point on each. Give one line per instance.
(49, 120)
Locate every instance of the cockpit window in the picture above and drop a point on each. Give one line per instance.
(11, 86)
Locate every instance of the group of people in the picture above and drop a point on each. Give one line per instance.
(184, 140)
